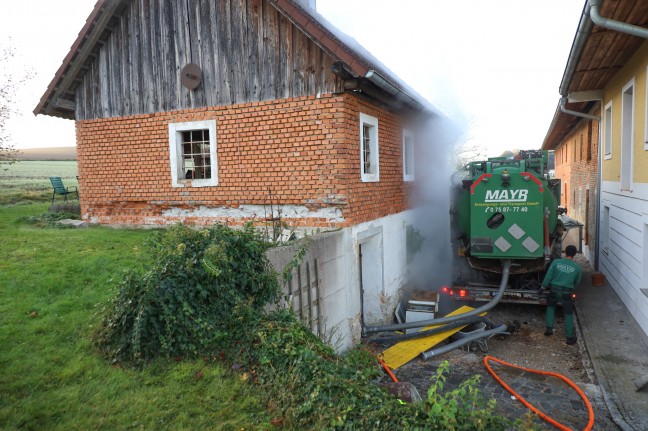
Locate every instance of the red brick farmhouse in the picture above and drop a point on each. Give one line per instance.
(205, 111)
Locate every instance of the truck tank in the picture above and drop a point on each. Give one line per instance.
(507, 209)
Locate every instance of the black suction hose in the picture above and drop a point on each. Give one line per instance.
(426, 333)
(506, 265)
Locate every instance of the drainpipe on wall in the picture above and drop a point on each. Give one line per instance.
(614, 25)
(563, 108)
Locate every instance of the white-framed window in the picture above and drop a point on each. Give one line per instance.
(193, 154)
(408, 155)
(646, 111)
(607, 132)
(369, 167)
(627, 135)
(605, 230)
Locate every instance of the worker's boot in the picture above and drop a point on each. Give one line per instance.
(571, 341)
(548, 332)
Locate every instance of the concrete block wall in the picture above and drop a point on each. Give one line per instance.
(303, 154)
(341, 299)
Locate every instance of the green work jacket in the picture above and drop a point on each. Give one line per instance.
(563, 273)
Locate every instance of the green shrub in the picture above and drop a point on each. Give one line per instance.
(202, 292)
(182, 302)
(365, 361)
(49, 219)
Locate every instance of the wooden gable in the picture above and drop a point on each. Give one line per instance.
(246, 49)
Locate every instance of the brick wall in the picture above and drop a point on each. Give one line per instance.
(576, 166)
(301, 154)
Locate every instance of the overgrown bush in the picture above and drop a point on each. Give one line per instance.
(182, 302)
(202, 292)
(312, 388)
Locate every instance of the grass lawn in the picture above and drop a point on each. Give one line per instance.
(51, 282)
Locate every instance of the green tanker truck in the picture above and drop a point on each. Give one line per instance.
(505, 209)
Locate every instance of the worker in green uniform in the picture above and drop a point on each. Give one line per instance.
(562, 278)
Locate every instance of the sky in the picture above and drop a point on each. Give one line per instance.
(493, 66)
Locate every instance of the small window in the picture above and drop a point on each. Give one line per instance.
(408, 155)
(607, 133)
(193, 154)
(369, 148)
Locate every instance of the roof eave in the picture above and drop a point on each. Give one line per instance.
(52, 103)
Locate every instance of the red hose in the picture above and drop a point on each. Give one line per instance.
(393, 377)
(590, 411)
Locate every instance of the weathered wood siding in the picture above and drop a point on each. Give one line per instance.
(246, 49)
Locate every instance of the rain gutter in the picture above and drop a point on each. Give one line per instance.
(614, 25)
(378, 80)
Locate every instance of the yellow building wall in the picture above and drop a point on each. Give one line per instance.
(635, 68)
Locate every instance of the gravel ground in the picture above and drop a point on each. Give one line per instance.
(526, 347)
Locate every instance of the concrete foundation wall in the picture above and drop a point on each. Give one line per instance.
(332, 263)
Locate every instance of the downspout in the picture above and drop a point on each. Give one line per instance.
(614, 25)
(599, 182)
(563, 108)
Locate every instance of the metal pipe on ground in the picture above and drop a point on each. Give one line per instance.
(463, 341)
(506, 265)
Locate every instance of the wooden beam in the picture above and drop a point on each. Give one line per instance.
(66, 105)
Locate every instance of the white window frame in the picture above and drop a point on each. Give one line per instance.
(374, 174)
(408, 155)
(646, 113)
(627, 136)
(175, 153)
(607, 131)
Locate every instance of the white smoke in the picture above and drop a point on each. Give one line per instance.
(436, 163)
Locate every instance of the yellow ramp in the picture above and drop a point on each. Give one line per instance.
(403, 352)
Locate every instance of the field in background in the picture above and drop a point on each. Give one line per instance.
(28, 181)
(55, 153)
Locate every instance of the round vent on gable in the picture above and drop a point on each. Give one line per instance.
(190, 76)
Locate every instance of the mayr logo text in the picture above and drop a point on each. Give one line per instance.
(506, 195)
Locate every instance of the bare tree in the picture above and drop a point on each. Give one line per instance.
(8, 86)
(467, 148)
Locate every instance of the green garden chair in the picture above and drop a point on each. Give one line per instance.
(60, 189)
